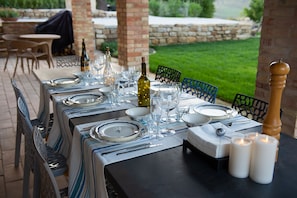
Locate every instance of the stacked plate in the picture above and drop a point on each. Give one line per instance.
(117, 131)
(62, 82)
(84, 99)
(215, 112)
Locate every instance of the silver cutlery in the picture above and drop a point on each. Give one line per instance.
(229, 124)
(126, 148)
(89, 110)
(139, 148)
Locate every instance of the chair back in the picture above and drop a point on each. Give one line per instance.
(23, 45)
(166, 74)
(45, 184)
(250, 107)
(200, 89)
(18, 93)
(8, 38)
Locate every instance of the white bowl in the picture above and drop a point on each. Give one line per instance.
(137, 112)
(195, 119)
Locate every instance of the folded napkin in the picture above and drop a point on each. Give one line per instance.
(206, 140)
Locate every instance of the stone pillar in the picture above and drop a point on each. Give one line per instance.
(272, 124)
(133, 31)
(83, 26)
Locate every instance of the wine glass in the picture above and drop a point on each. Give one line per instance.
(156, 113)
(180, 111)
(170, 98)
(127, 75)
(98, 65)
(135, 74)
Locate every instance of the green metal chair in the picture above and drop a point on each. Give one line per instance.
(200, 89)
(166, 74)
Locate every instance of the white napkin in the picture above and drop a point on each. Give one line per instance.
(206, 140)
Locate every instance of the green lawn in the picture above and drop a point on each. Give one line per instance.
(229, 65)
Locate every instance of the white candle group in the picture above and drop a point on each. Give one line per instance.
(239, 157)
(253, 156)
(263, 159)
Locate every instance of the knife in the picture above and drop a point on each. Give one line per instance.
(126, 148)
(138, 148)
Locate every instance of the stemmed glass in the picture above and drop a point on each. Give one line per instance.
(135, 74)
(156, 113)
(170, 98)
(98, 65)
(111, 83)
(127, 75)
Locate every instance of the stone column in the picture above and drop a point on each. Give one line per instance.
(272, 123)
(133, 31)
(83, 26)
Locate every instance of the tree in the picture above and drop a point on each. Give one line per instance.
(255, 10)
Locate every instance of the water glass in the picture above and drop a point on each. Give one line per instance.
(180, 111)
(156, 113)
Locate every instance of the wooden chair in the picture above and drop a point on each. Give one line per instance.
(56, 161)
(250, 107)
(30, 50)
(166, 74)
(200, 89)
(8, 48)
(45, 184)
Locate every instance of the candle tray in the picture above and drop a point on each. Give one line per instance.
(216, 163)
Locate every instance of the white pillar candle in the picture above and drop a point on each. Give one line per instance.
(239, 157)
(252, 136)
(263, 159)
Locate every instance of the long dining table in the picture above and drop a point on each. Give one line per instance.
(73, 134)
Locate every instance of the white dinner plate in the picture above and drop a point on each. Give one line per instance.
(84, 99)
(216, 112)
(117, 131)
(62, 82)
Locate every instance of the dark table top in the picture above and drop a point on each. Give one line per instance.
(174, 173)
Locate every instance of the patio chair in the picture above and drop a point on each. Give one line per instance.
(19, 130)
(9, 49)
(30, 50)
(200, 89)
(45, 184)
(250, 107)
(166, 74)
(56, 161)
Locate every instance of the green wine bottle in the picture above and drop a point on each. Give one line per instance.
(143, 87)
(84, 59)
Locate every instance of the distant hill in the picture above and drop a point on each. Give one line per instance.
(230, 9)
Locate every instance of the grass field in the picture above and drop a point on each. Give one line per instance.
(229, 65)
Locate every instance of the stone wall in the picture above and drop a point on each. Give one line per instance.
(158, 34)
(177, 34)
(279, 41)
(46, 13)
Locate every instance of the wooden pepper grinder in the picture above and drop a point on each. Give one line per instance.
(272, 122)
